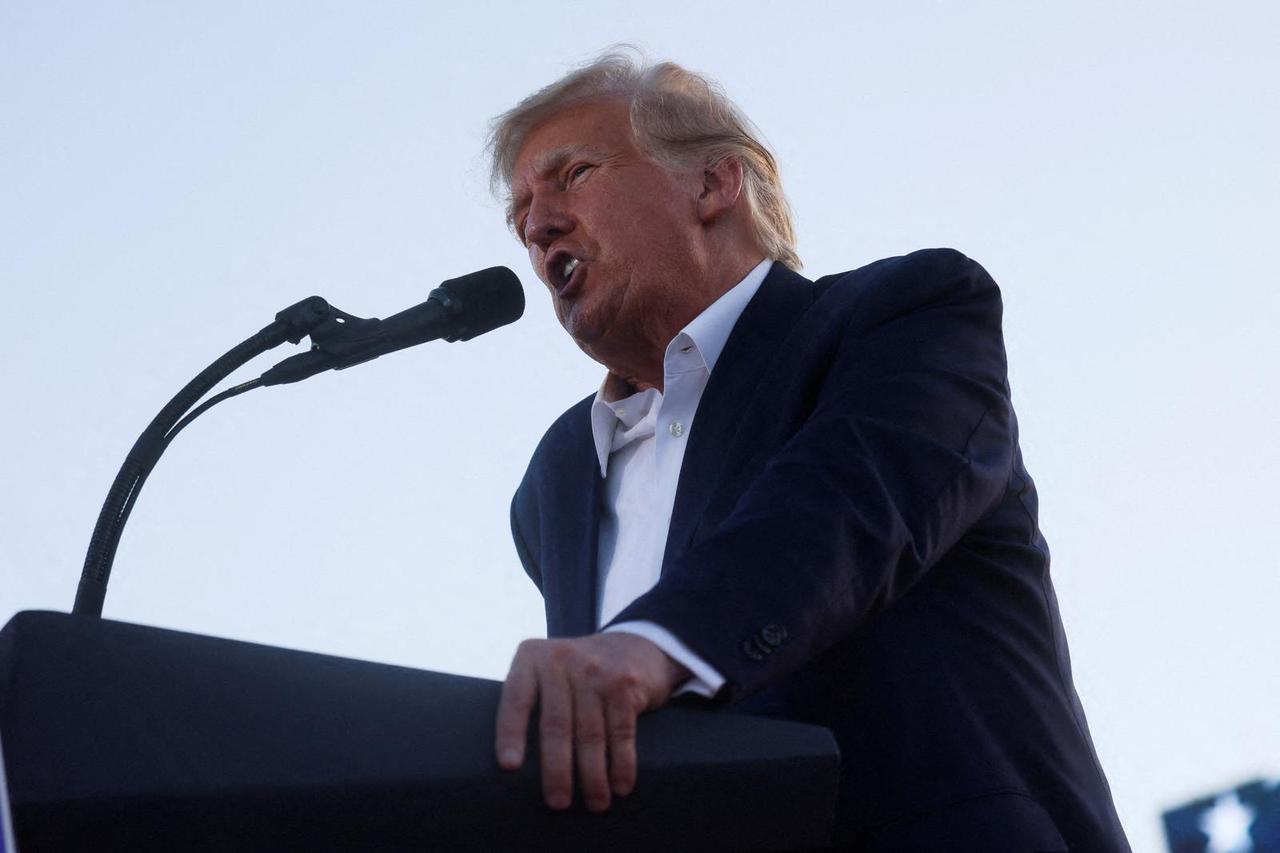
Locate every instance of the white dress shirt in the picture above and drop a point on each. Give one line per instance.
(640, 443)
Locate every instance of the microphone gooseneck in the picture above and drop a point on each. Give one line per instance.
(458, 310)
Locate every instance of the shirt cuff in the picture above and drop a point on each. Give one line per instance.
(705, 681)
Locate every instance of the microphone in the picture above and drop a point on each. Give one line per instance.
(458, 310)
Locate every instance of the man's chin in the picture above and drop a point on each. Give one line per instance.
(595, 333)
(581, 325)
(590, 339)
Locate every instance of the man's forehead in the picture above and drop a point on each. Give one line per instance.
(596, 124)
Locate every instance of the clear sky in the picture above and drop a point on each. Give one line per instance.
(172, 174)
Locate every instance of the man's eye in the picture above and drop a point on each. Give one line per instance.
(578, 171)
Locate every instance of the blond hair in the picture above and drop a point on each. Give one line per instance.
(681, 119)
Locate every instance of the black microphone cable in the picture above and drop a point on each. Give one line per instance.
(141, 477)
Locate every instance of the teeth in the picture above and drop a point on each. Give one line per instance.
(569, 266)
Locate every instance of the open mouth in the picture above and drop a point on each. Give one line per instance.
(564, 271)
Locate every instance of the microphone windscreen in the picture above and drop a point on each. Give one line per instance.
(482, 301)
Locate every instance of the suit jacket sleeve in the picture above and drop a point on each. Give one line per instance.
(523, 551)
(906, 442)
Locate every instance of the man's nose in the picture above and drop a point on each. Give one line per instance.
(547, 221)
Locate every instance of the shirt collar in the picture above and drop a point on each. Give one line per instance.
(710, 330)
(704, 336)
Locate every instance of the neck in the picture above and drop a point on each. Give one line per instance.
(640, 365)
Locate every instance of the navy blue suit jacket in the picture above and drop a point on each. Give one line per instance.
(855, 543)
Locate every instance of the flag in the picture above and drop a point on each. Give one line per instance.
(1245, 819)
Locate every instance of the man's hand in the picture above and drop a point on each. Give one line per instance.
(589, 690)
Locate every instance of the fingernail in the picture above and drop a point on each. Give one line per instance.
(559, 802)
(510, 758)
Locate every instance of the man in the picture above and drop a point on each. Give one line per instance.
(802, 499)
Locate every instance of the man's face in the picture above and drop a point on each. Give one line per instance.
(612, 234)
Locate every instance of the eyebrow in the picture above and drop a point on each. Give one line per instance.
(548, 164)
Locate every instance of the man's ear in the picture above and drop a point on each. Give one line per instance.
(721, 189)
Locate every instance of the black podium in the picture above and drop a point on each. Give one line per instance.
(124, 737)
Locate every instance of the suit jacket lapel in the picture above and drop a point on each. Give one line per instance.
(782, 297)
(574, 533)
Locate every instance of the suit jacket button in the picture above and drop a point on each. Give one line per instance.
(773, 634)
(752, 649)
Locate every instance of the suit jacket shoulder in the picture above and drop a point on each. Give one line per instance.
(890, 287)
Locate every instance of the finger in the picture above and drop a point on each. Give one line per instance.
(589, 746)
(519, 693)
(555, 735)
(621, 722)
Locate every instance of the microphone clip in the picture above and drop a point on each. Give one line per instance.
(338, 340)
(299, 319)
(332, 330)
(342, 334)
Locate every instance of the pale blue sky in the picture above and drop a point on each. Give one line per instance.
(171, 175)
